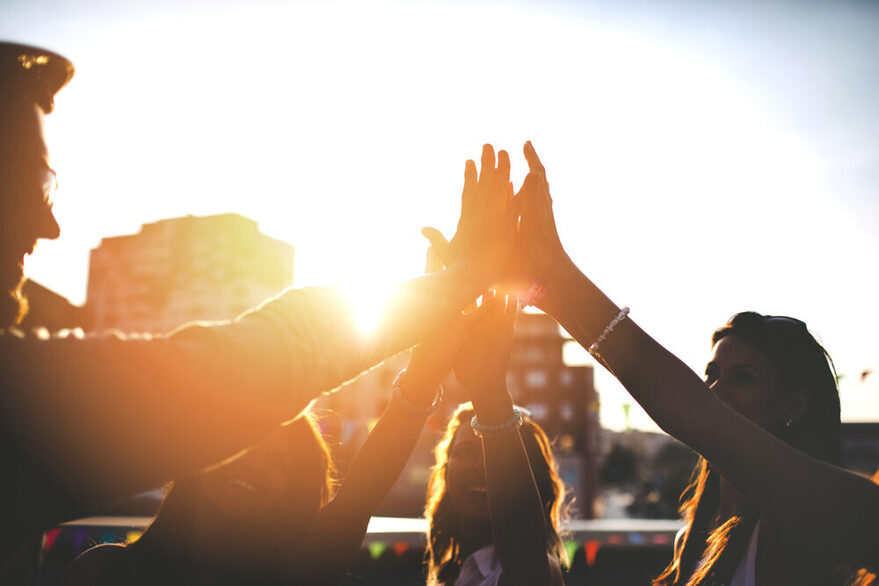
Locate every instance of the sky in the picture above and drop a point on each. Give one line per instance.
(704, 157)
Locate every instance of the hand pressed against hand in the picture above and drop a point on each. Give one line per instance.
(487, 225)
(432, 360)
(481, 364)
(539, 249)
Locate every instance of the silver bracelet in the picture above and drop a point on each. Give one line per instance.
(482, 429)
(593, 349)
(407, 405)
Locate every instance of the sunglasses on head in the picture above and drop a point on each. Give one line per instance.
(783, 319)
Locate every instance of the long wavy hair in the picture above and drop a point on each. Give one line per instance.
(710, 556)
(443, 543)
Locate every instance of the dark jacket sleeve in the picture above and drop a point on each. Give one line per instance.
(103, 416)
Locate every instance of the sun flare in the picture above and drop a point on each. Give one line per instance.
(367, 301)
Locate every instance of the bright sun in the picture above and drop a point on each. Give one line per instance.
(367, 299)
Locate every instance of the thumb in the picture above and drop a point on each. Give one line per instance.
(440, 245)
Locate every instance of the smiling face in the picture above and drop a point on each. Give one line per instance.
(743, 377)
(465, 475)
(26, 188)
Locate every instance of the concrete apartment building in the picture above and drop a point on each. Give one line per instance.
(184, 269)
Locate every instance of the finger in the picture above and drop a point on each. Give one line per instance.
(544, 200)
(487, 169)
(529, 184)
(492, 304)
(439, 244)
(433, 263)
(514, 202)
(534, 163)
(529, 193)
(467, 194)
(503, 166)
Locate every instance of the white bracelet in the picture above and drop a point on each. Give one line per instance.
(593, 349)
(417, 409)
(514, 422)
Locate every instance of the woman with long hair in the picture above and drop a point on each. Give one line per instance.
(770, 504)
(457, 509)
(781, 378)
(233, 523)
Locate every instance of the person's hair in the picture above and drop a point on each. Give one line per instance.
(704, 556)
(183, 498)
(443, 541)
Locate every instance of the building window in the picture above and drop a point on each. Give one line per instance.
(536, 378)
(539, 411)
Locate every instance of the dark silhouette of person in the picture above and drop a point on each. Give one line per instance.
(87, 419)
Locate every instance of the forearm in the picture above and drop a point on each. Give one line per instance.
(667, 389)
(339, 528)
(135, 413)
(380, 461)
(517, 519)
(319, 346)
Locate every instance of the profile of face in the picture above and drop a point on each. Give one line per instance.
(27, 186)
(465, 475)
(743, 377)
(271, 490)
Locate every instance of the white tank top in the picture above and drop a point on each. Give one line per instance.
(747, 571)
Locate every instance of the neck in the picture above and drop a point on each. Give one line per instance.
(475, 534)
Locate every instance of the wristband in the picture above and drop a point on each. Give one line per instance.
(593, 349)
(514, 422)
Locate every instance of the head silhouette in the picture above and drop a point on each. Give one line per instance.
(774, 372)
(29, 79)
(804, 392)
(247, 509)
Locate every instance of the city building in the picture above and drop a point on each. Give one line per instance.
(184, 269)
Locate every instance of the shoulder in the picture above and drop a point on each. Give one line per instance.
(555, 578)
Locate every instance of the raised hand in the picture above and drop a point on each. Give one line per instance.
(482, 362)
(487, 225)
(539, 251)
(432, 360)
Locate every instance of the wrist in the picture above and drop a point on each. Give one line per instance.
(493, 407)
(423, 402)
(478, 274)
(559, 281)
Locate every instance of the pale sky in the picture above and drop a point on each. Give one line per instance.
(704, 157)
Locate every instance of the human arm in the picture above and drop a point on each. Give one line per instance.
(839, 512)
(343, 521)
(107, 416)
(338, 530)
(518, 521)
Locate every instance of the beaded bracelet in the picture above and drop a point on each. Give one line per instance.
(593, 349)
(482, 429)
(407, 405)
